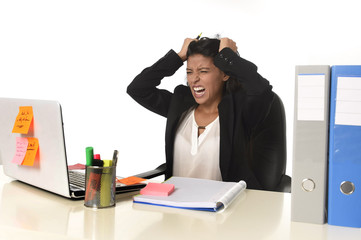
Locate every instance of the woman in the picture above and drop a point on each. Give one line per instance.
(210, 122)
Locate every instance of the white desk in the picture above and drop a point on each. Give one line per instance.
(30, 213)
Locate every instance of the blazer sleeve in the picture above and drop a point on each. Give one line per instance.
(263, 119)
(257, 90)
(143, 89)
(241, 69)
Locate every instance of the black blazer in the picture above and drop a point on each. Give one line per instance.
(241, 115)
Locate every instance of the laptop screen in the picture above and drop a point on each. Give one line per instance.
(48, 170)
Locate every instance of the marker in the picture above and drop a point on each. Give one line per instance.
(199, 36)
(93, 183)
(92, 186)
(108, 163)
(106, 184)
(89, 156)
(98, 163)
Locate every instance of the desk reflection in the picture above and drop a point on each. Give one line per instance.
(99, 223)
(27, 208)
(23, 206)
(253, 213)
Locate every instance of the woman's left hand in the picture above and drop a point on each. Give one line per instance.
(227, 42)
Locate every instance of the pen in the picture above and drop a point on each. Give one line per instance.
(199, 36)
(115, 157)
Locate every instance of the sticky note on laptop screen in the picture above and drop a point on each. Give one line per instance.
(20, 152)
(23, 120)
(157, 189)
(31, 152)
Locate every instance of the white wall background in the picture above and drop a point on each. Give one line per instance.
(85, 53)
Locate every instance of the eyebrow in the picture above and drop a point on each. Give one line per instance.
(201, 68)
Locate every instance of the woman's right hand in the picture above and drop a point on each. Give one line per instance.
(183, 52)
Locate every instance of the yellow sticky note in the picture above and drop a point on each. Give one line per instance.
(23, 120)
(31, 151)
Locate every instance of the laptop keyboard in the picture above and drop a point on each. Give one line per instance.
(77, 178)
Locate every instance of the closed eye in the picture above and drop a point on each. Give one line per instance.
(204, 70)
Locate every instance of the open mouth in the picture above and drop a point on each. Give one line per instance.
(199, 91)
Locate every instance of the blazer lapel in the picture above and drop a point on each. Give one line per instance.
(226, 122)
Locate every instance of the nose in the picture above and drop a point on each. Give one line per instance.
(194, 79)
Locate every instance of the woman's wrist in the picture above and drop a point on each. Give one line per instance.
(182, 56)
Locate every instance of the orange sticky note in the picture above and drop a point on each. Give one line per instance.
(31, 151)
(23, 120)
(20, 152)
(131, 180)
(157, 189)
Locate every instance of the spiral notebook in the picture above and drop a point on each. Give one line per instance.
(196, 194)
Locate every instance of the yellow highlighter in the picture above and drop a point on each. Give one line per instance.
(106, 184)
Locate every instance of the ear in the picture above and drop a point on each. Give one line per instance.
(225, 77)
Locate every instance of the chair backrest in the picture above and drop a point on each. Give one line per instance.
(268, 149)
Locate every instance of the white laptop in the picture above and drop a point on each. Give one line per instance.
(50, 169)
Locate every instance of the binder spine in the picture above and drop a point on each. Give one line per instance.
(344, 201)
(310, 144)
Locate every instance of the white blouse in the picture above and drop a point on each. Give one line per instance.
(195, 156)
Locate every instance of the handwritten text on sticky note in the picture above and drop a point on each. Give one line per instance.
(31, 151)
(23, 120)
(20, 151)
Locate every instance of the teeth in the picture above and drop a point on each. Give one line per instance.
(198, 89)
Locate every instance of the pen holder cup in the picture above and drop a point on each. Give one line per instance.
(100, 186)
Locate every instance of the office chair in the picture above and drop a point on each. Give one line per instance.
(268, 149)
(267, 145)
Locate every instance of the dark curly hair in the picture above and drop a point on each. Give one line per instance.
(209, 47)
